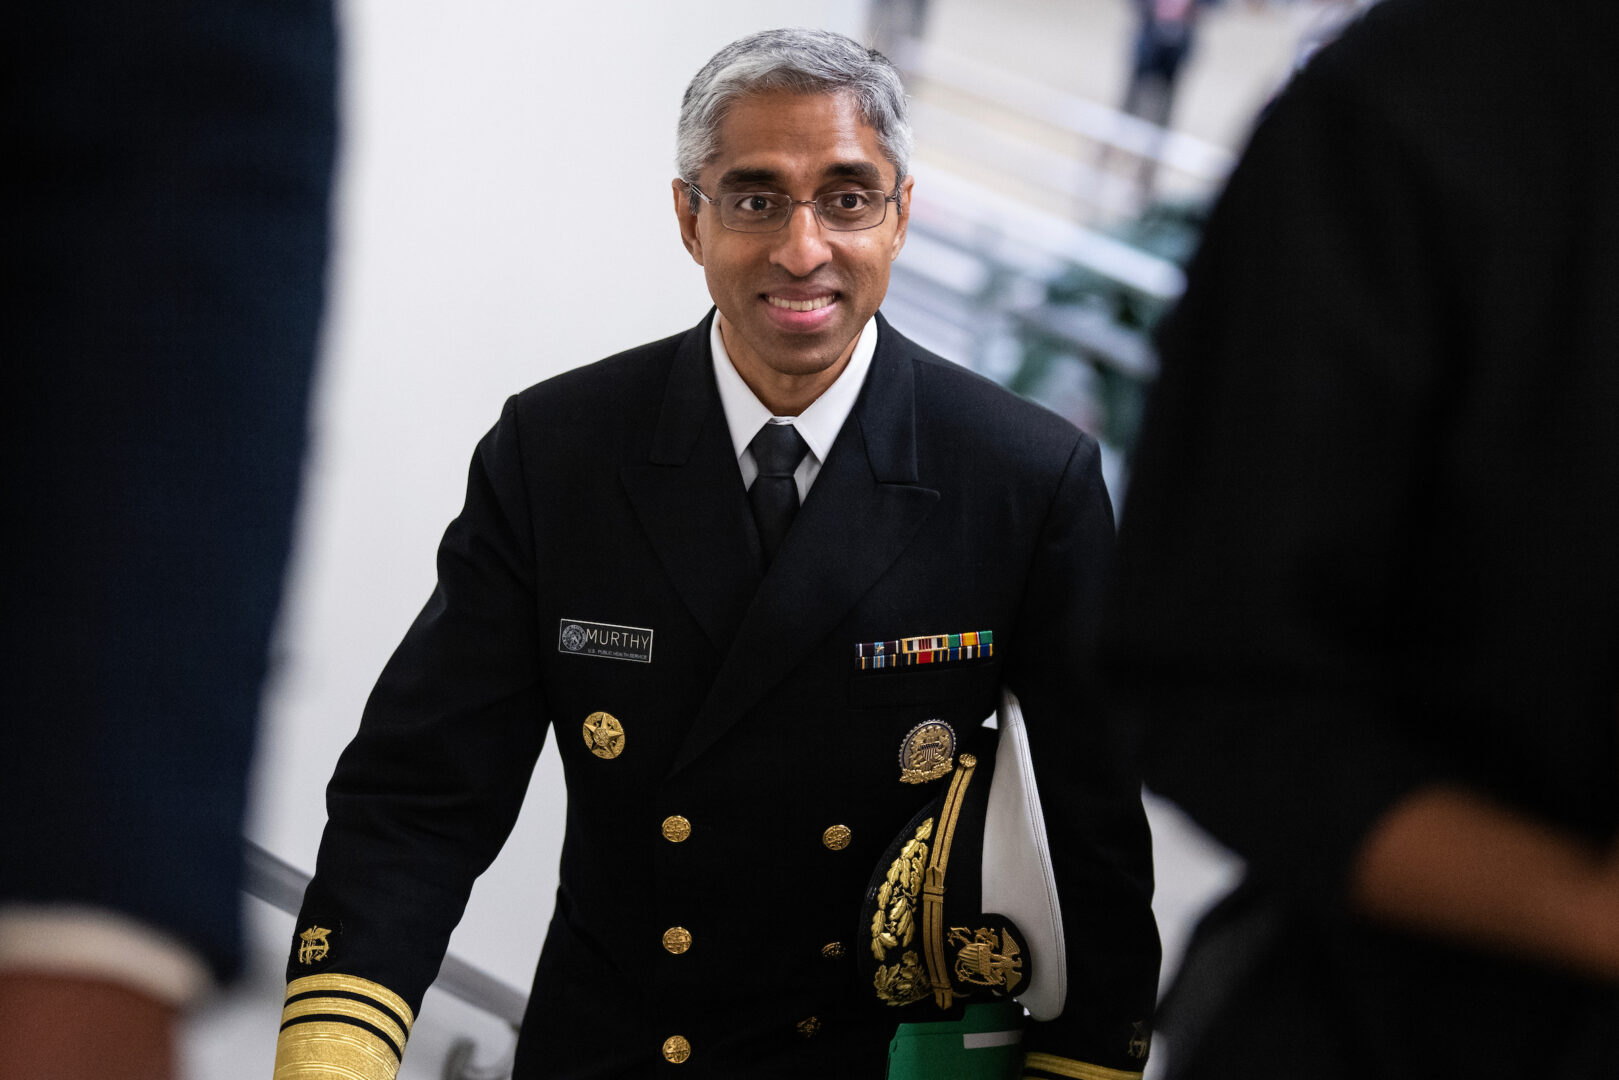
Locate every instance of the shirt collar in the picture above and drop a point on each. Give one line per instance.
(819, 424)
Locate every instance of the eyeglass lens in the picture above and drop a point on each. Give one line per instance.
(767, 211)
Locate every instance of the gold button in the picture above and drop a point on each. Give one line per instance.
(677, 939)
(832, 950)
(836, 837)
(676, 828)
(676, 1049)
(808, 1026)
(604, 735)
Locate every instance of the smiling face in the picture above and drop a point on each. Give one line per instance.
(793, 301)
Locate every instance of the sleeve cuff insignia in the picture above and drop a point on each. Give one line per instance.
(335, 1021)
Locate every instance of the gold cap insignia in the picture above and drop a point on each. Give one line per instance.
(604, 735)
(904, 983)
(893, 927)
(987, 959)
(927, 752)
(315, 946)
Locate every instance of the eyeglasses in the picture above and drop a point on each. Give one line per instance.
(768, 211)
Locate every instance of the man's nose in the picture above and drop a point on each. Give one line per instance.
(802, 246)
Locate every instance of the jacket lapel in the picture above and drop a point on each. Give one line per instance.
(863, 510)
(690, 499)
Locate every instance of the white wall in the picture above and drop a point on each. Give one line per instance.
(504, 214)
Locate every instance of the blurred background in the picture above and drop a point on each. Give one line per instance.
(503, 213)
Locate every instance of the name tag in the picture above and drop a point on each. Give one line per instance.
(605, 640)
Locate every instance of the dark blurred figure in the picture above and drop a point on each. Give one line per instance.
(1163, 41)
(1367, 594)
(167, 177)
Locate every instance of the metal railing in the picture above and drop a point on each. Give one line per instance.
(281, 885)
(1018, 194)
(1091, 122)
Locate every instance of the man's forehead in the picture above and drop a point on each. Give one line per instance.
(766, 132)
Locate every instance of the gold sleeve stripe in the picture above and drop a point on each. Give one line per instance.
(341, 1027)
(346, 985)
(331, 1007)
(319, 1050)
(1038, 1066)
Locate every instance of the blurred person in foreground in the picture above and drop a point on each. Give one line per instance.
(750, 698)
(1367, 596)
(167, 182)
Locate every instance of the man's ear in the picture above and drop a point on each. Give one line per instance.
(903, 210)
(688, 219)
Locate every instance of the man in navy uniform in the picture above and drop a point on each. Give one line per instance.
(738, 572)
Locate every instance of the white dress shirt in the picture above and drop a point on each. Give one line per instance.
(819, 424)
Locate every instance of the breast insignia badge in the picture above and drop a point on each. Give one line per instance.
(604, 735)
(314, 945)
(927, 752)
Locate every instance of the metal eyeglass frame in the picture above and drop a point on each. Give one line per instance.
(794, 204)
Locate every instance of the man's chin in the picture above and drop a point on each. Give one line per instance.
(801, 354)
(804, 365)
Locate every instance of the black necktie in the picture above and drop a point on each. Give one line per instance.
(777, 449)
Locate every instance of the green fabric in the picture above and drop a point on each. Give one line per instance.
(938, 1050)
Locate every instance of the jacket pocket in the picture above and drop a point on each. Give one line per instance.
(951, 685)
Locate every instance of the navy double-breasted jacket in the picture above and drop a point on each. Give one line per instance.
(732, 773)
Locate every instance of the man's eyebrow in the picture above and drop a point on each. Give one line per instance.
(864, 171)
(758, 179)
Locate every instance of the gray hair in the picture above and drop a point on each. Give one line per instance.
(795, 59)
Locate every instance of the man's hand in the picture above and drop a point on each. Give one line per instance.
(1451, 864)
(55, 1027)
